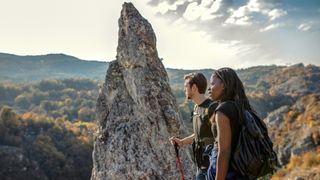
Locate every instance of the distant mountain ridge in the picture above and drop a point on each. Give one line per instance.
(60, 66)
(50, 66)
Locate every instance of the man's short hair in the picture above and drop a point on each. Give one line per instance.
(199, 80)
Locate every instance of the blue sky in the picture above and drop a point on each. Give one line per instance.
(191, 34)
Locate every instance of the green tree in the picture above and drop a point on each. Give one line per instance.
(10, 127)
(48, 156)
(86, 114)
(50, 85)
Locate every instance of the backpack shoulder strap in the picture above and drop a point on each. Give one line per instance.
(212, 108)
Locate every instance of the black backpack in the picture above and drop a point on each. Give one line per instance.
(253, 155)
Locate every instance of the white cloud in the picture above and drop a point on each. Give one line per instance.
(206, 2)
(244, 14)
(242, 11)
(213, 11)
(242, 21)
(192, 12)
(254, 6)
(206, 10)
(216, 6)
(239, 17)
(164, 6)
(260, 6)
(272, 26)
(276, 13)
(304, 27)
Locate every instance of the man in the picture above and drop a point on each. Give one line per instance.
(195, 87)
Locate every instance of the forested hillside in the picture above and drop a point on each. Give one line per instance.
(34, 146)
(47, 129)
(71, 99)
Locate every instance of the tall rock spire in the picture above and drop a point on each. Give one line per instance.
(136, 110)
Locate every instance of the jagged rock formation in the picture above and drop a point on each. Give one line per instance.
(137, 112)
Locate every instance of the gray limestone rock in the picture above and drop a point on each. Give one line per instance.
(275, 118)
(136, 110)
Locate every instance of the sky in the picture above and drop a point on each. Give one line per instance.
(191, 34)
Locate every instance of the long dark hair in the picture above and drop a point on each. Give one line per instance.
(233, 90)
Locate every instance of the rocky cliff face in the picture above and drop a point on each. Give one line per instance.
(295, 129)
(137, 112)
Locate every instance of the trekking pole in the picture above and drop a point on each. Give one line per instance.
(178, 158)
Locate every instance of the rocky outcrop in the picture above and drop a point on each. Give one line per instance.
(136, 110)
(295, 129)
(276, 117)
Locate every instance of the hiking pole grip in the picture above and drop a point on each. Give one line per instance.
(178, 158)
(176, 149)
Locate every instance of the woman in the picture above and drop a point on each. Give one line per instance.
(228, 90)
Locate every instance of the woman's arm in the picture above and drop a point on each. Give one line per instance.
(224, 144)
